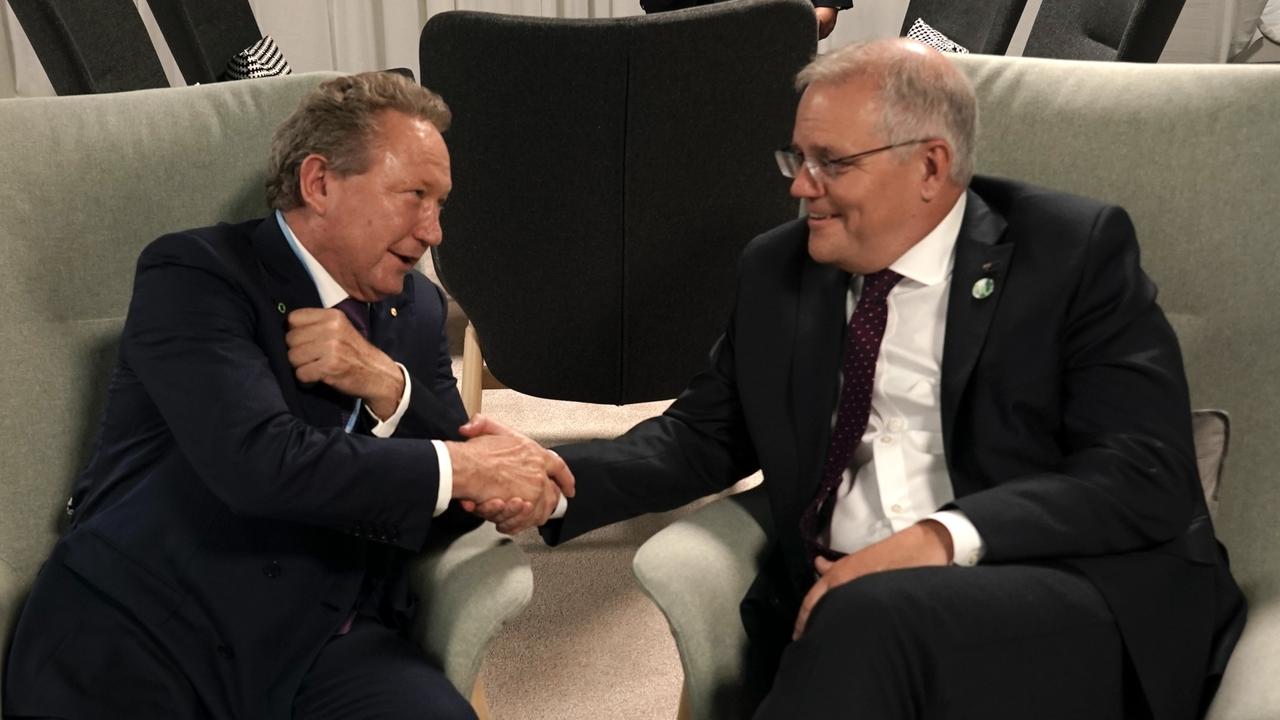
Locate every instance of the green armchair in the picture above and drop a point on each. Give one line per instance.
(85, 183)
(1191, 152)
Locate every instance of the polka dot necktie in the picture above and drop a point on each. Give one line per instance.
(861, 348)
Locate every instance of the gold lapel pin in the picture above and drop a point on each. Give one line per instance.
(983, 288)
(394, 312)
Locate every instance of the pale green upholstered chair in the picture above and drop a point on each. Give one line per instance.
(1193, 153)
(85, 183)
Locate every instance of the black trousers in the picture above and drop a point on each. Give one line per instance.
(955, 643)
(101, 664)
(371, 672)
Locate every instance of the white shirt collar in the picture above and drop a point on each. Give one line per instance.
(929, 261)
(331, 293)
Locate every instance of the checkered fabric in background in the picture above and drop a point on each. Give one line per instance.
(921, 32)
(262, 59)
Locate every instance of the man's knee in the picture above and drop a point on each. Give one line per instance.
(883, 610)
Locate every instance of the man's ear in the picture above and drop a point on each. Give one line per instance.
(314, 175)
(935, 169)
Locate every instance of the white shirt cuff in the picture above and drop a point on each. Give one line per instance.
(445, 493)
(966, 543)
(387, 428)
(562, 506)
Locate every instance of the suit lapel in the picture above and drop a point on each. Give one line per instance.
(288, 288)
(819, 349)
(980, 257)
(387, 317)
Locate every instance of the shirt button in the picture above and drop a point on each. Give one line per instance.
(887, 440)
(272, 570)
(896, 508)
(897, 424)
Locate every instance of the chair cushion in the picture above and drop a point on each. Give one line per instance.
(259, 60)
(921, 32)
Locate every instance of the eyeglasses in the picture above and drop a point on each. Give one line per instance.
(790, 161)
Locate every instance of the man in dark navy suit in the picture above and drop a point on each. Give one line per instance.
(973, 425)
(282, 432)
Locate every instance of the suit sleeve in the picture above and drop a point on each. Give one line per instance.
(699, 446)
(435, 409)
(1126, 479)
(191, 338)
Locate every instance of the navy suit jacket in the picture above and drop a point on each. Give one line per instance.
(1065, 418)
(224, 509)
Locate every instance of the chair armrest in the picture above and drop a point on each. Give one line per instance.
(696, 571)
(13, 591)
(468, 588)
(1249, 690)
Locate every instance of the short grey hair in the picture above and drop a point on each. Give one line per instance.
(338, 121)
(919, 97)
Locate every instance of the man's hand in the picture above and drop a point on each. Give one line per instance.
(324, 347)
(538, 485)
(927, 543)
(515, 515)
(826, 17)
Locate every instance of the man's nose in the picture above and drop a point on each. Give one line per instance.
(428, 230)
(804, 185)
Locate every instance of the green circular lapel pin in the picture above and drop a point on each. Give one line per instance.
(983, 288)
(282, 308)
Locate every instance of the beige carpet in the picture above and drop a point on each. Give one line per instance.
(591, 645)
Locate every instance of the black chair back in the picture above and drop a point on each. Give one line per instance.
(1124, 30)
(204, 34)
(607, 174)
(982, 26)
(91, 46)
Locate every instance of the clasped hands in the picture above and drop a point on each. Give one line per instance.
(506, 478)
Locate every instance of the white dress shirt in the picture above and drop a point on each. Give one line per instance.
(331, 293)
(898, 473)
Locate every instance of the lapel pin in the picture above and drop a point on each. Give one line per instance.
(282, 308)
(394, 312)
(983, 288)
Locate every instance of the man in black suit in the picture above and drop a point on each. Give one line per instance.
(282, 427)
(973, 425)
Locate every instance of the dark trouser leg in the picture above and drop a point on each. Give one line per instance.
(955, 643)
(77, 654)
(371, 672)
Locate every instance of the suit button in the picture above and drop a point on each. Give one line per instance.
(226, 652)
(272, 570)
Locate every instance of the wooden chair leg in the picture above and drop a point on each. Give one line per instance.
(472, 372)
(479, 702)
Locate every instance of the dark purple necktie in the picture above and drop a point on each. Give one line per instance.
(358, 313)
(861, 348)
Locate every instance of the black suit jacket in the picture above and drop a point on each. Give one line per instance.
(225, 509)
(1064, 412)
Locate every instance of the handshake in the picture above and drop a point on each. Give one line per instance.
(506, 478)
